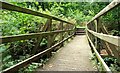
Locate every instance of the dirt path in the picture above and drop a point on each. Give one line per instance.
(74, 56)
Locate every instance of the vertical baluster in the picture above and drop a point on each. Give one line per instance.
(49, 36)
(61, 34)
(49, 44)
(97, 29)
(91, 28)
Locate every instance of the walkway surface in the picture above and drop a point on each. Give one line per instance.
(74, 56)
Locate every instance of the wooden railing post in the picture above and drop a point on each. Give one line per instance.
(61, 34)
(49, 36)
(90, 35)
(65, 33)
(97, 29)
(74, 28)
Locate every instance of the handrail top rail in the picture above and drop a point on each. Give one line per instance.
(11, 7)
(98, 56)
(13, 38)
(108, 38)
(109, 7)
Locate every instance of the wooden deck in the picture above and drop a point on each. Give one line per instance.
(74, 56)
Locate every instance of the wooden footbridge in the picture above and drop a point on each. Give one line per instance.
(75, 55)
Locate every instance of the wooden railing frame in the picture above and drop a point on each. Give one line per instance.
(6, 39)
(108, 38)
(11, 7)
(19, 65)
(110, 47)
(94, 34)
(111, 6)
(46, 32)
(106, 68)
(44, 29)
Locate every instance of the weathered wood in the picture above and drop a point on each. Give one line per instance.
(114, 50)
(6, 39)
(103, 28)
(65, 33)
(44, 29)
(54, 36)
(111, 42)
(28, 11)
(106, 68)
(67, 28)
(111, 6)
(108, 38)
(61, 34)
(107, 48)
(106, 44)
(49, 36)
(91, 36)
(19, 65)
(97, 29)
(111, 49)
(72, 27)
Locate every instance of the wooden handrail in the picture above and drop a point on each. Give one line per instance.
(106, 68)
(112, 5)
(6, 39)
(11, 7)
(14, 68)
(46, 32)
(108, 38)
(98, 34)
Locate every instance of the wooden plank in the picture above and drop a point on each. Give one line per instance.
(108, 38)
(28, 11)
(106, 68)
(19, 65)
(111, 6)
(6, 39)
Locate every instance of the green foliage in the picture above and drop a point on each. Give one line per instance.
(19, 23)
(112, 63)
